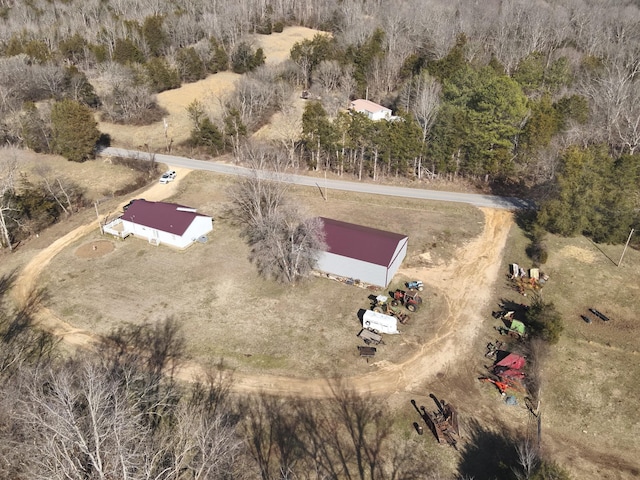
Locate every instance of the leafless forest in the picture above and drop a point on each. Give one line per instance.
(535, 98)
(516, 96)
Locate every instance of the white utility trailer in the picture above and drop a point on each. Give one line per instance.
(379, 322)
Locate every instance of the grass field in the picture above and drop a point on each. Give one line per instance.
(227, 311)
(591, 423)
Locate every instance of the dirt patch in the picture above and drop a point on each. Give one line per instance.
(95, 249)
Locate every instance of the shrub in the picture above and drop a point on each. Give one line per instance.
(544, 320)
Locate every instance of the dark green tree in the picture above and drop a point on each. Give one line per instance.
(79, 87)
(190, 65)
(161, 76)
(208, 135)
(35, 132)
(573, 210)
(452, 63)
(363, 57)
(619, 210)
(544, 122)
(308, 54)
(219, 60)
(573, 108)
(318, 134)
(244, 59)
(544, 321)
(125, 52)
(480, 119)
(75, 131)
(258, 58)
(155, 37)
(73, 48)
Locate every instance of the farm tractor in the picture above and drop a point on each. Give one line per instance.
(410, 299)
(382, 304)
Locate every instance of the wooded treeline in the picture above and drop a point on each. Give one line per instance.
(496, 92)
(118, 411)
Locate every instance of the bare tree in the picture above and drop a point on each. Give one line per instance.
(82, 424)
(8, 172)
(527, 458)
(285, 245)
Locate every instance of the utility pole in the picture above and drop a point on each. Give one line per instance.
(95, 204)
(625, 247)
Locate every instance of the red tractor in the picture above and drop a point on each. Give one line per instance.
(410, 299)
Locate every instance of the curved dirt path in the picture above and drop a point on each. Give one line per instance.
(27, 281)
(466, 284)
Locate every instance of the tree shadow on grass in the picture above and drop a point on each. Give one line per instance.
(487, 454)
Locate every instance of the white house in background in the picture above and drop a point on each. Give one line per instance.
(371, 110)
(367, 254)
(161, 223)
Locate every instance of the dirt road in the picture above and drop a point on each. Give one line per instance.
(28, 279)
(466, 284)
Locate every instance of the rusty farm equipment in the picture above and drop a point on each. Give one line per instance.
(443, 422)
(370, 337)
(409, 298)
(492, 348)
(382, 304)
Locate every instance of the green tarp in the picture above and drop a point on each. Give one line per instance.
(517, 326)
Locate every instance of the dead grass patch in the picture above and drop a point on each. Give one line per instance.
(211, 91)
(228, 312)
(95, 249)
(590, 378)
(98, 177)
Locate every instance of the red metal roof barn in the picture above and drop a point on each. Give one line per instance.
(362, 253)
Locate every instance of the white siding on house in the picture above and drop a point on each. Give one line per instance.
(201, 225)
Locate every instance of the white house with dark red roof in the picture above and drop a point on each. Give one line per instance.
(161, 223)
(370, 109)
(366, 254)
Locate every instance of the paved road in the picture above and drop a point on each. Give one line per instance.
(490, 201)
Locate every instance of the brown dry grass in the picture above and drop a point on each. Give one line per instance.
(210, 91)
(591, 423)
(227, 312)
(98, 177)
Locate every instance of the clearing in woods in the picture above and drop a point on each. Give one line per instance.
(211, 91)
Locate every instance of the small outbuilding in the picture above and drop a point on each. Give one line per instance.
(371, 109)
(361, 253)
(161, 223)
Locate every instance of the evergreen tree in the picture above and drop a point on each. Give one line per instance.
(219, 60)
(35, 133)
(161, 76)
(317, 131)
(190, 65)
(125, 52)
(75, 131)
(73, 48)
(154, 35)
(208, 135)
(479, 122)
